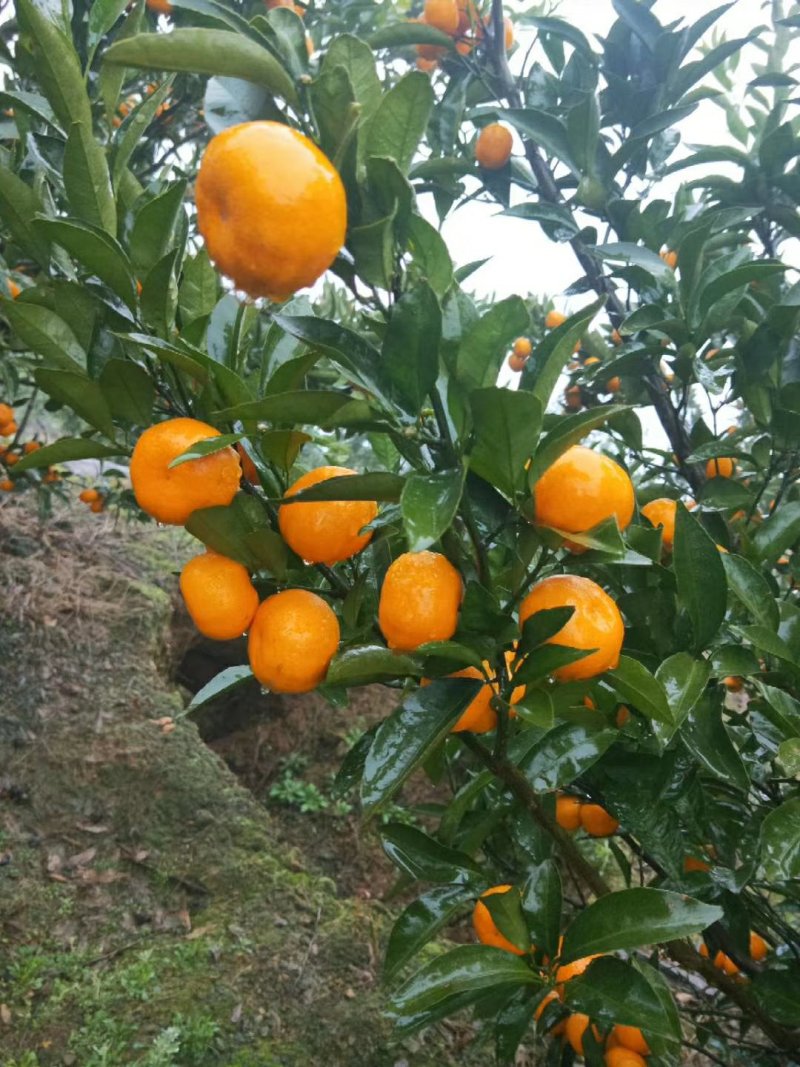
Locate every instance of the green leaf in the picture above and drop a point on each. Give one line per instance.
(705, 735)
(87, 182)
(401, 119)
(751, 588)
(541, 904)
(44, 332)
(57, 65)
(315, 407)
(65, 450)
(543, 625)
(636, 256)
(568, 431)
(428, 504)
(583, 131)
(403, 34)
(425, 859)
(613, 992)
(239, 531)
(155, 227)
(95, 250)
(637, 686)
(484, 344)
(199, 287)
(32, 104)
(506, 912)
(201, 51)
(78, 392)
(356, 57)
(410, 734)
(683, 679)
(18, 206)
(377, 485)
(638, 18)
(691, 73)
(700, 575)
(768, 641)
(224, 682)
(129, 391)
(430, 253)
(421, 921)
(543, 662)
(556, 350)
(779, 532)
(778, 993)
(411, 346)
(565, 30)
(565, 752)
(738, 278)
(631, 918)
(206, 447)
(506, 426)
(133, 128)
(455, 980)
(555, 218)
(545, 130)
(780, 842)
(367, 664)
(102, 16)
(348, 349)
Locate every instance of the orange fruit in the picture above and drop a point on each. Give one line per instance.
(11, 458)
(758, 947)
(249, 472)
(218, 595)
(419, 600)
(540, 1007)
(595, 624)
(479, 717)
(484, 926)
(691, 863)
(631, 1038)
(553, 319)
(161, 7)
(443, 14)
(97, 506)
(618, 1056)
(711, 353)
(661, 512)
(493, 146)
(567, 971)
(508, 33)
(428, 66)
(616, 337)
(88, 496)
(568, 812)
(30, 446)
(722, 467)
(51, 476)
(6, 485)
(623, 714)
(597, 822)
(13, 288)
(591, 361)
(430, 52)
(572, 398)
(576, 1027)
(670, 258)
(517, 363)
(522, 347)
(271, 208)
(6, 414)
(733, 684)
(171, 494)
(293, 638)
(581, 489)
(325, 531)
(8, 429)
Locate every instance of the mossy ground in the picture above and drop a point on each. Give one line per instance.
(149, 912)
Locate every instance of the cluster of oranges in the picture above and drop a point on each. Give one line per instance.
(520, 354)
(133, 101)
(758, 952)
(572, 814)
(8, 423)
(93, 499)
(573, 394)
(461, 20)
(9, 456)
(625, 1046)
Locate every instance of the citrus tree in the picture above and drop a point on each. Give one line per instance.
(594, 642)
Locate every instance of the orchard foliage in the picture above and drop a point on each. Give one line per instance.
(122, 320)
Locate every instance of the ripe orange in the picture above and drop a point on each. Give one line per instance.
(13, 288)
(591, 361)
(30, 446)
(567, 971)
(568, 812)
(485, 929)
(522, 347)
(428, 66)
(480, 717)
(249, 471)
(430, 52)
(51, 476)
(661, 512)
(443, 14)
(11, 458)
(623, 714)
(293, 638)
(711, 353)
(161, 7)
(631, 1038)
(419, 601)
(271, 208)
(540, 1007)
(576, 1027)
(170, 495)
(493, 146)
(6, 485)
(597, 822)
(721, 961)
(508, 33)
(97, 506)
(553, 319)
(616, 337)
(618, 1056)
(8, 429)
(325, 531)
(670, 258)
(573, 398)
(722, 467)
(733, 684)
(6, 414)
(88, 496)
(581, 489)
(219, 596)
(595, 624)
(758, 947)
(691, 863)
(517, 363)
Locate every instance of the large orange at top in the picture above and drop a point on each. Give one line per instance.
(596, 623)
(419, 602)
(271, 208)
(581, 489)
(325, 531)
(171, 494)
(293, 638)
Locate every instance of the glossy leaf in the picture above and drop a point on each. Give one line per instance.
(78, 392)
(57, 65)
(96, 251)
(542, 625)
(129, 391)
(222, 683)
(421, 921)
(778, 993)
(709, 741)
(631, 918)
(544, 661)
(563, 753)
(410, 734)
(428, 504)
(46, 333)
(400, 120)
(506, 427)
(87, 181)
(378, 486)
(304, 407)
(613, 992)
(240, 531)
(541, 903)
(18, 206)
(66, 450)
(206, 447)
(683, 679)
(484, 344)
(778, 532)
(751, 588)
(402, 34)
(356, 356)
(425, 859)
(366, 664)
(411, 346)
(700, 575)
(637, 686)
(780, 842)
(545, 130)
